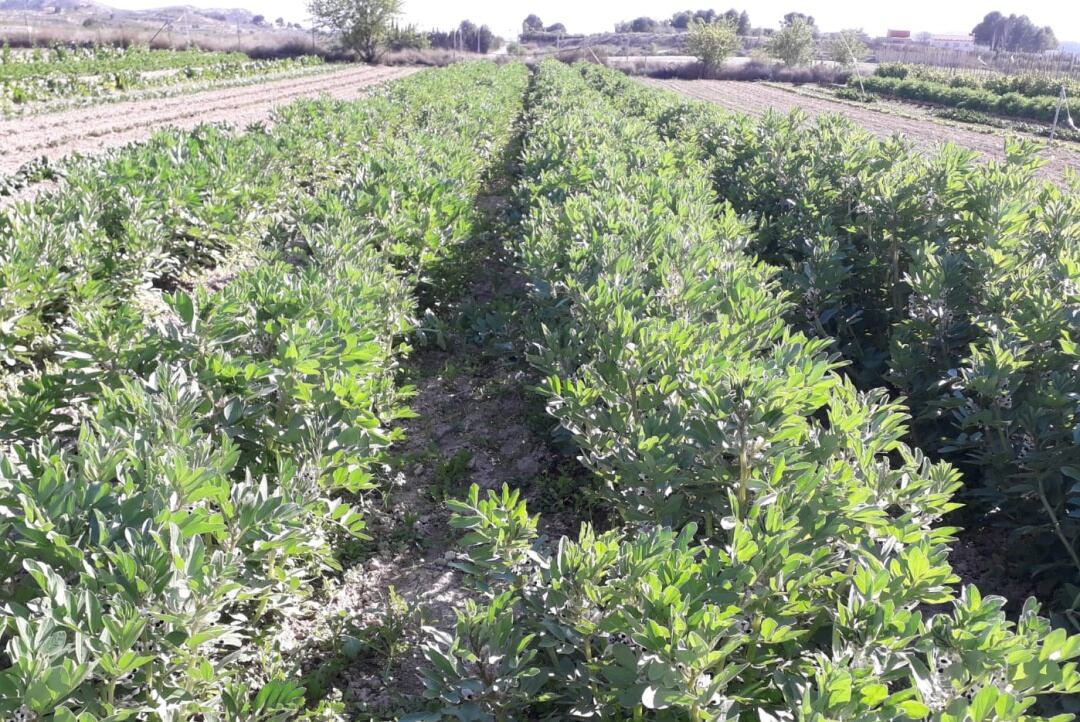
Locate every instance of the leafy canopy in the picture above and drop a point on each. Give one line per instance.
(1013, 33)
(712, 43)
(847, 48)
(793, 44)
(362, 25)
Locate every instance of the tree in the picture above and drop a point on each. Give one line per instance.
(712, 43)
(556, 28)
(280, 22)
(792, 17)
(361, 25)
(740, 19)
(467, 36)
(986, 32)
(847, 48)
(1013, 33)
(681, 20)
(532, 24)
(793, 43)
(406, 37)
(258, 20)
(644, 25)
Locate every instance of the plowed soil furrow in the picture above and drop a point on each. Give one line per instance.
(108, 111)
(88, 131)
(927, 135)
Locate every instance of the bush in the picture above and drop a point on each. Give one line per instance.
(793, 44)
(712, 43)
(847, 48)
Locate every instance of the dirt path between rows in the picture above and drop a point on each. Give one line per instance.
(92, 130)
(755, 99)
(479, 420)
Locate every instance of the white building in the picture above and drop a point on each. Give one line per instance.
(950, 41)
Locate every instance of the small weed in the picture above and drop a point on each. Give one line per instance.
(389, 637)
(566, 493)
(406, 534)
(450, 476)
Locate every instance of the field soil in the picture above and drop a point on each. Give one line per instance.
(755, 98)
(92, 130)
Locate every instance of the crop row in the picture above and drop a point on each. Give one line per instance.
(956, 282)
(36, 88)
(145, 217)
(778, 542)
(104, 59)
(148, 557)
(1031, 85)
(1010, 104)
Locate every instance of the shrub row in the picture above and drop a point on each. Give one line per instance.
(956, 282)
(778, 542)
(149, 559)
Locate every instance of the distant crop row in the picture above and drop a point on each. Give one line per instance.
(778, 542)
(105, 59)
(1030, 85)
(1013, 105)
(52, 81)
(173, 475)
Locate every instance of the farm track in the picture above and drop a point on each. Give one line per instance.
(754, 99)
(63, 133)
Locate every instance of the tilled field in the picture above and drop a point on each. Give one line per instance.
(83, 130)
(755, 99)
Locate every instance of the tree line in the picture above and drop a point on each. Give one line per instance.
(684, 18)
(369, 27)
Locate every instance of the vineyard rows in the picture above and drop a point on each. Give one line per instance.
(723, 315)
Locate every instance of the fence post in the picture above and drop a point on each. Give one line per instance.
(1057, 112)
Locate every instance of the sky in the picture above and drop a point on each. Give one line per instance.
(505, 16)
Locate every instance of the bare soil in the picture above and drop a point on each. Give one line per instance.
(927, 134)
(478, 421)
(92, 130)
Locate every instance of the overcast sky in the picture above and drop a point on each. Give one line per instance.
(505, 16)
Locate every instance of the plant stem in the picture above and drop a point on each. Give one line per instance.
(1057, 525)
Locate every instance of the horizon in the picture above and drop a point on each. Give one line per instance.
(504, 18)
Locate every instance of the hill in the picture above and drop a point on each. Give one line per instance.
(40, 22)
